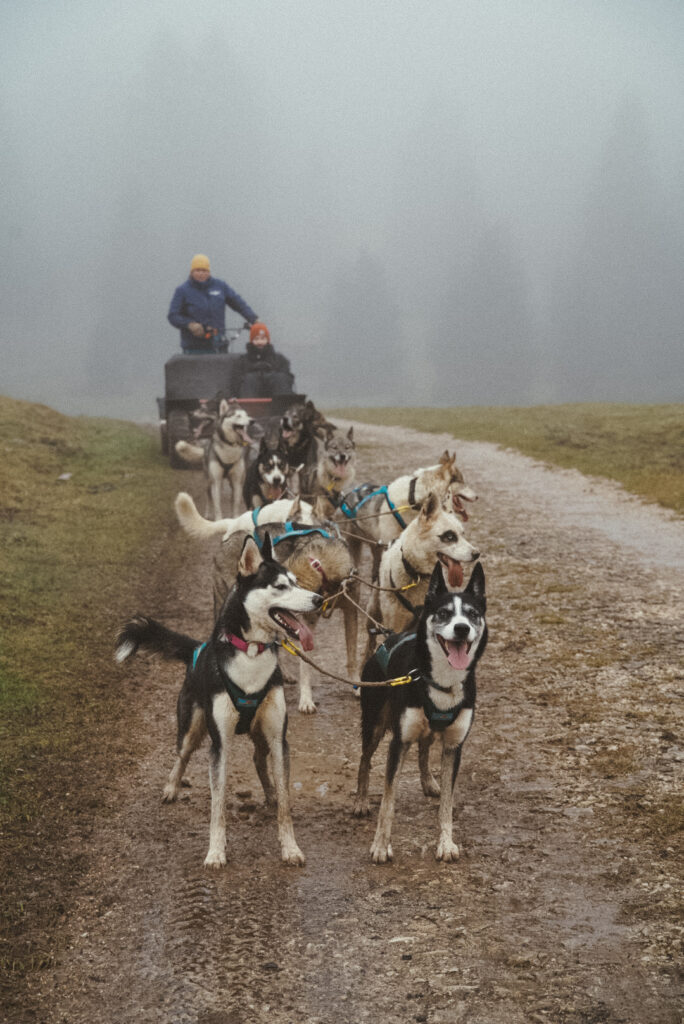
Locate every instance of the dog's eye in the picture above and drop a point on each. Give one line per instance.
(449, 537)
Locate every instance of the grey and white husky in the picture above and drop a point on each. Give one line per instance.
(223, 456)
(233, 685)
(440, 657)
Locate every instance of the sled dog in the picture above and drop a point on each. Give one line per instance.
(334, 469)
(233, 685)
(200, 528)
(267, 475)
(440, 657)
(223, 455)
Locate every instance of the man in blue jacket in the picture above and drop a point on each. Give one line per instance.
(198, 309)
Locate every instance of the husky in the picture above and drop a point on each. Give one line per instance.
(406, 565)
(374, 515)
(301, 425)
(200, 528)
(319, 560)
(233, 685)
(334, 470)
(440, 657)
(266, 478)
(223, 455)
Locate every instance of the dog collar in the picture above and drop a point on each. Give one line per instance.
(251, 648)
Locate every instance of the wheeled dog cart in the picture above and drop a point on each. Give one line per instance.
(191, 380)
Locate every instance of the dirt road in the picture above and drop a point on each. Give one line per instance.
(563, 906)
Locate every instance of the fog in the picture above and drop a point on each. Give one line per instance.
(466, 202)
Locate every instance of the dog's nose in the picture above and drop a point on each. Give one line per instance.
(318, 600)
(475, 554)
(460, 634)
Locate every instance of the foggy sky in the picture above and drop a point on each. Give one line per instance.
(463, 202)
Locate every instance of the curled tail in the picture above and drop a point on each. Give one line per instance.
(195, 524)
(192, 453)
(148, 635)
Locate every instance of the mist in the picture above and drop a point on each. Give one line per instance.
(460, 203)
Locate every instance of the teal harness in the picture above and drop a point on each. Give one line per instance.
(439, 720)
(350, 507)
(246, 704)
(290, 530)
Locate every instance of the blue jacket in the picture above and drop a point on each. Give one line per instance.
(204, 302)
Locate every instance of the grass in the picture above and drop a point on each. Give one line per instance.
(638, 446)
(73, 553)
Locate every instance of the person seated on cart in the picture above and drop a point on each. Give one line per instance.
(261, 372)
(198, 309)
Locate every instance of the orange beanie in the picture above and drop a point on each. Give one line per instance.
(200, 262)
(256, 328)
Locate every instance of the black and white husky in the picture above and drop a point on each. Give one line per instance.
(441, 658)
(267, 475)
(233, 685)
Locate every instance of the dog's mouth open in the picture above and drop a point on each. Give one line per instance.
(274, 492)
(293, 627)
(454, 570)
(339, 466)
(457, 654)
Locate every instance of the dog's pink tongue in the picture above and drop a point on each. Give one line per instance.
(454, 573)
(305, 636)
(457, 655)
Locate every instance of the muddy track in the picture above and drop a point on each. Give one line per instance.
(563, 906)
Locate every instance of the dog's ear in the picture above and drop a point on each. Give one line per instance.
(444, 457)
(251, 558)
(296, 508)
(350, 433)
(322, 508)
(430, 507)
(476, 583)
(223, 407)
(437, 585)
(263, 447)
(266, 548)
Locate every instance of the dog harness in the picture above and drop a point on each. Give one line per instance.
(246, 704)
(355, 499)
(438, 720)
(290, 530)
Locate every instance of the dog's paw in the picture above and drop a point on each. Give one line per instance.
(307, 706)
(381, 853)
(215, 859)
(169, 794)
(361, 808)
(293, 856)
(430, 786)
(447, 851)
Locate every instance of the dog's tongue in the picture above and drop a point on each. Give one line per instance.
(454, 572)
(457, 654)
(285, 433)
(275, 493)
(301, 629)
(339, 469)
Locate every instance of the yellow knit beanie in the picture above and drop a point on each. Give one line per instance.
(200, 262)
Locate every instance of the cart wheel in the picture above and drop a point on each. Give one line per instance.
(177, 429)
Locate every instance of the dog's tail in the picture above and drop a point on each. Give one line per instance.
(192, 453)
(195, 524)
(141, 633)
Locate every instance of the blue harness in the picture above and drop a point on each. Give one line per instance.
(290, 530)
(245, 704)
(439, 720)
(350, 508)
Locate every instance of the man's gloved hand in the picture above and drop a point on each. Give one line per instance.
(196, 329)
